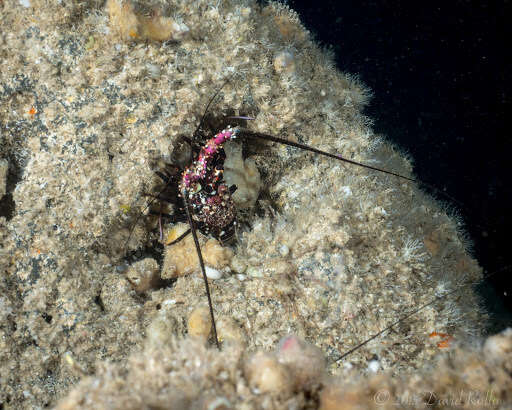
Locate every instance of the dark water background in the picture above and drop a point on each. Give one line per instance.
(440, 74)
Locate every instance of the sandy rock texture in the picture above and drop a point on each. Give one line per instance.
(93, 99)
(186, 375)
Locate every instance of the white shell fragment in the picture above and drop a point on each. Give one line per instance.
(212, 273)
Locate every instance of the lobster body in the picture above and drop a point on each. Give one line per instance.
(202, 182)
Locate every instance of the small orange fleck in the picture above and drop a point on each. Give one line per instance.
(445, 343)
(71, 225)
(32, 111)
(38, 251)
(133, 34)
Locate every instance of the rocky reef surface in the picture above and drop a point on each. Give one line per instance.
(94, 97)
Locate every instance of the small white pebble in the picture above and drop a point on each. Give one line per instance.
(212, 273)
(25, 3)
(346, 190)
(241, 277)
(284, 250)
(348, 365)
(254, 272)
(180, 30)
(374, 366)
(219, 403)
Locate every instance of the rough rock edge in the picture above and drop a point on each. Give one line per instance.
(186, 375)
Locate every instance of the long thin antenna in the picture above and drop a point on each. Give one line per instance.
(376, 335)
(412, 313)
(208, 105)
(304, 147)
(251, 134)
(201, 263)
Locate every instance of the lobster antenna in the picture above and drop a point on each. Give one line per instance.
(201, 263)
(413, 312)
(261, 136)
(208, 105)
(258, 135)
(266, 137)
(403, 318)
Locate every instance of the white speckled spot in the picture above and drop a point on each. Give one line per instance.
(254, 272)
(348, 365)
(213, 273)
(284, 250)
(374, 366)
(284, 62)
(219, 403)
(346, 190)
